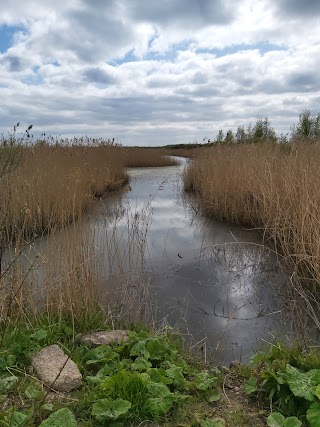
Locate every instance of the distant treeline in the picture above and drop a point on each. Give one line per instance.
(184, 146)
(307, 129)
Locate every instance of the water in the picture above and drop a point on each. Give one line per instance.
(215, 281)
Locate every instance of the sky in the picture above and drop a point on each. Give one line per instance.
(157, 72)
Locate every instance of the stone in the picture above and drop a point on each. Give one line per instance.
(104, 337)
(58, 372)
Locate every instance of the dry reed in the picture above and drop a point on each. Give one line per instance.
(273, 188)
(147, 157)
(84, 269)
(52, 186)
(47, 189)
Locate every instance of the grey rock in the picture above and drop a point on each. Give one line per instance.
(104, 337)
(58, 372)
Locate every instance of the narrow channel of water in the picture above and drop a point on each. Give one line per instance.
(213, 280)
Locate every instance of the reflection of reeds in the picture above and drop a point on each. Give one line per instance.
(82, 271)
(273, 188)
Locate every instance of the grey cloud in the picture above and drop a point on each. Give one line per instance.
(13, 62)
(199, 78)
(180, 12)
(299, 8)
(98, 32)
(98, 75)
(304, 81)
(167, 97)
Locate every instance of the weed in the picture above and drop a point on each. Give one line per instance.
(146, 378)
(289, 379)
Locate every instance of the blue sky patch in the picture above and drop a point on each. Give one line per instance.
(7, 33)
(128, 57)
(263, 48)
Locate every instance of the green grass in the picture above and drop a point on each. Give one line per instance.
(153, 379)
(144, 379)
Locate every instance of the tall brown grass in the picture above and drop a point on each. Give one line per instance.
(147, 157)
(73, 270)
(53, 185)
(273, 188)
(89, 268)
(189, 153)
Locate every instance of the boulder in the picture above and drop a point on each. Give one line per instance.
(104, 337)
(53, 367)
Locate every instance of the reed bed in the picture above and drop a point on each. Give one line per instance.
(53, 185)
(75, 269)
(44, 187)
(147, 157)
(274, 188)
(189, 153)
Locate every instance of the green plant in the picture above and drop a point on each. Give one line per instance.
(290, 380)
(278, 420)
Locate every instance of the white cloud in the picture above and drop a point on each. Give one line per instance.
(157, 72)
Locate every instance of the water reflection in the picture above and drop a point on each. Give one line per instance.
(212, 279)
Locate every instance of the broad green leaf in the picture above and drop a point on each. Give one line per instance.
(139, 349)
(157, 348)
(181, 398)
(33, 392)
(101, 355)
(275, 420)
(207, 384)
(212, 395)
(292, 422)
(158, 406)
(275, 375)
(107, 409)
(204, 381)
(141, 364)
(215, 422)
(158, 375)
(251, 385)
(158, 390)
(317, 391)
(175, 372)
(63, 417)
(313, 415)
(301, 384)
(8, 383)
(16, 419)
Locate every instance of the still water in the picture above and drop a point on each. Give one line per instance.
(215, 281)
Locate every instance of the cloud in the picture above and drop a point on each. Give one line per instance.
(298, 8)
(157, 72)
(179, 13)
